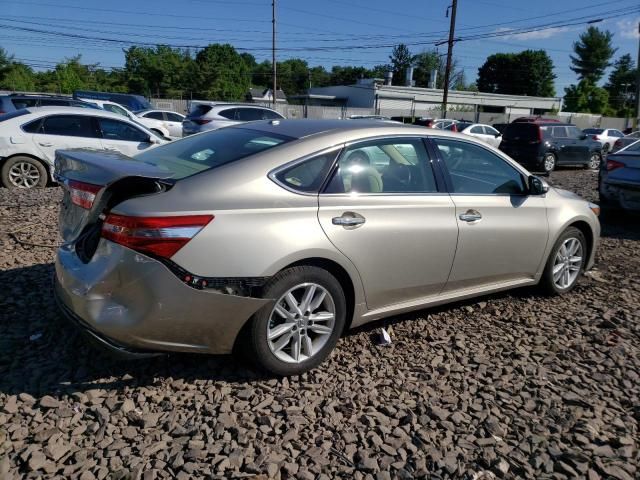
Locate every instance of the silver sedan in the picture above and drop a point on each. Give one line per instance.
(275, 237)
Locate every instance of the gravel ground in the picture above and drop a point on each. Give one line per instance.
(513, 385)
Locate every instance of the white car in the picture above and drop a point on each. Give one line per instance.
(30, 137)
(111, 107)
(483, 132)
(606, 136)
(164, 122)
(205, 116)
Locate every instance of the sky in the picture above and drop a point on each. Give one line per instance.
(323, 32)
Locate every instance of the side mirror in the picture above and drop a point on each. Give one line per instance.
(497, 135)
(153, 139)
(537, 186)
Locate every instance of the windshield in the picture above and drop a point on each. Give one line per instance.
(198, 153)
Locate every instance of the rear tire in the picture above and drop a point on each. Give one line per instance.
(23, 172)
(297, 332)
(565, 263)
(549, 162)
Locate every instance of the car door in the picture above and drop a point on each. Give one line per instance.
(493, 136)
(563, 145)
(122, 136)
(58, 132)
(382, 209)
(503, 231)
(173, 123)
(581, 147)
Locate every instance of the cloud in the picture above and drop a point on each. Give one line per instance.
(535, 35)
(628, 28)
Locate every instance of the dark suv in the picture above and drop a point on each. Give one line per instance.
(16, 101)
(541, 146)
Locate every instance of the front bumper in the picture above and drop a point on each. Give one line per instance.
(134, 304)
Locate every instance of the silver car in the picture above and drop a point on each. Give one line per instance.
(205, 116)
(275, 237)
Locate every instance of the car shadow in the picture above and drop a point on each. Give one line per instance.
(620, 224)
(42, 353)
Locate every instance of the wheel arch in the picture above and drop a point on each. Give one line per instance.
(343, 277)
(589, 236)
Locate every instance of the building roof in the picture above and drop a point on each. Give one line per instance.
(262, 93)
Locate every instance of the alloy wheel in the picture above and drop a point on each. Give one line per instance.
(301, 323)
(24, 175)
(549, 163)
(594, 161)
(567, 264)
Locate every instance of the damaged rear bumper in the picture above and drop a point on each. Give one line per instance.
(134, 304)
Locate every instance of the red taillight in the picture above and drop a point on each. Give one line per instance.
(83, 194)
(612, 165)
(201, 121)
(454, 128)
(595, 137)
(618, 143)
(161, 236)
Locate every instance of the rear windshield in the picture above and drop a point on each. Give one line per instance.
(593, 131)
(521, 131)
(199, 110)
(14, 114)
(198, 153)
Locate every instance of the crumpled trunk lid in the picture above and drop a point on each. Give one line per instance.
(112, 178)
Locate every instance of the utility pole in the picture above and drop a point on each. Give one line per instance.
(637, 119)
(273, 52)
(447, 70)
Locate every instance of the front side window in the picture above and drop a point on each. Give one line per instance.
(70, 125)
(154, 115)
(269, 115)
(574, 132)
(490, 130)
(308, 175)
(115, 109)
(117, 130)
(389, 165)
(559, 132)
(475, 170)
(477, 129)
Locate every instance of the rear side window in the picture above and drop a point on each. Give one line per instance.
(70, 125)
(117, 130)
(477, 129)
(198, 153)
(173, 117)
(559, 132)
(249, 114)
(521, 131)
(32, 127)
(308, 175)
(230, 113)
(199, 110)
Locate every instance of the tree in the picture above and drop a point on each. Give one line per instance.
(529, 72)
(592, 54)
(424, 63)
(401, 59)
(18, 77)
(586, 97)
(6, 61)
(622, 86)
(221, 73)
(348, 75)
(160, 70)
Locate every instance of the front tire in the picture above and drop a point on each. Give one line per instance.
(594, 161)
(23, 172)
(297, 332)
(565, 263)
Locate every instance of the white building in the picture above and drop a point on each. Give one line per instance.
(392, 100)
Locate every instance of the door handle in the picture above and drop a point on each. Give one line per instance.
(348, 219)
(45, 144)
(470, 216)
